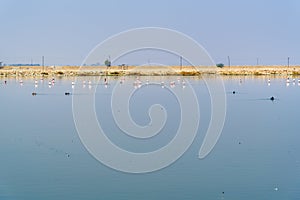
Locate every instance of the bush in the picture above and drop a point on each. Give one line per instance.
(190, 73)
(107, 63)
(59, 73)
(221, 65)
(114, 73)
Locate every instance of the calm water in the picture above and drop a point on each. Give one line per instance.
(256, 157)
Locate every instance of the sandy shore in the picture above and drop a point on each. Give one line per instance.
(69, 71)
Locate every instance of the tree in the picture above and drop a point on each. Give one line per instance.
(221, 65)
(107, 62)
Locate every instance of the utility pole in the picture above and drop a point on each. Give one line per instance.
(180, 63)
(228, 60)
(43, 63)
(288, 62)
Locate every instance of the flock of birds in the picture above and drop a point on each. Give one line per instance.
(288, 81)
(137, 83)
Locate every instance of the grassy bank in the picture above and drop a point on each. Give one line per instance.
(69, 71)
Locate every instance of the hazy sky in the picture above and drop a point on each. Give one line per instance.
(64, 31)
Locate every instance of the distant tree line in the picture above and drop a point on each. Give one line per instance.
(19, 65)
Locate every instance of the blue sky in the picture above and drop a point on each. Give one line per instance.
(64, 31)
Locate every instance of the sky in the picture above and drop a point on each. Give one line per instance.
(65, 31)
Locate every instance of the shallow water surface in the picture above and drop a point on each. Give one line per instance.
(256, 157)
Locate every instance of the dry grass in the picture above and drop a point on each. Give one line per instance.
(32, 71)
(190, 73)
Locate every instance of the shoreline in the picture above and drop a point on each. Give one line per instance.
(72, 71)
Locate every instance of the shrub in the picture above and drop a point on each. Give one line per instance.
(221, 65)
(114, 73)
(45, 73)
(59, 73)
(190, 73)
(107, 63)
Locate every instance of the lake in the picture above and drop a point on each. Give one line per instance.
(256, 156)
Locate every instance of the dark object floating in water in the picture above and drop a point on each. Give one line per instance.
(233, 92)
(240, 142)
(68, 155)
(272, 98)
(34, 94)
(67, 93)
(5, 82)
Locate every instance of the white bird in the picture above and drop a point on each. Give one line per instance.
(135, 84)
(162, 84)
(288, 82)
(172, 84)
